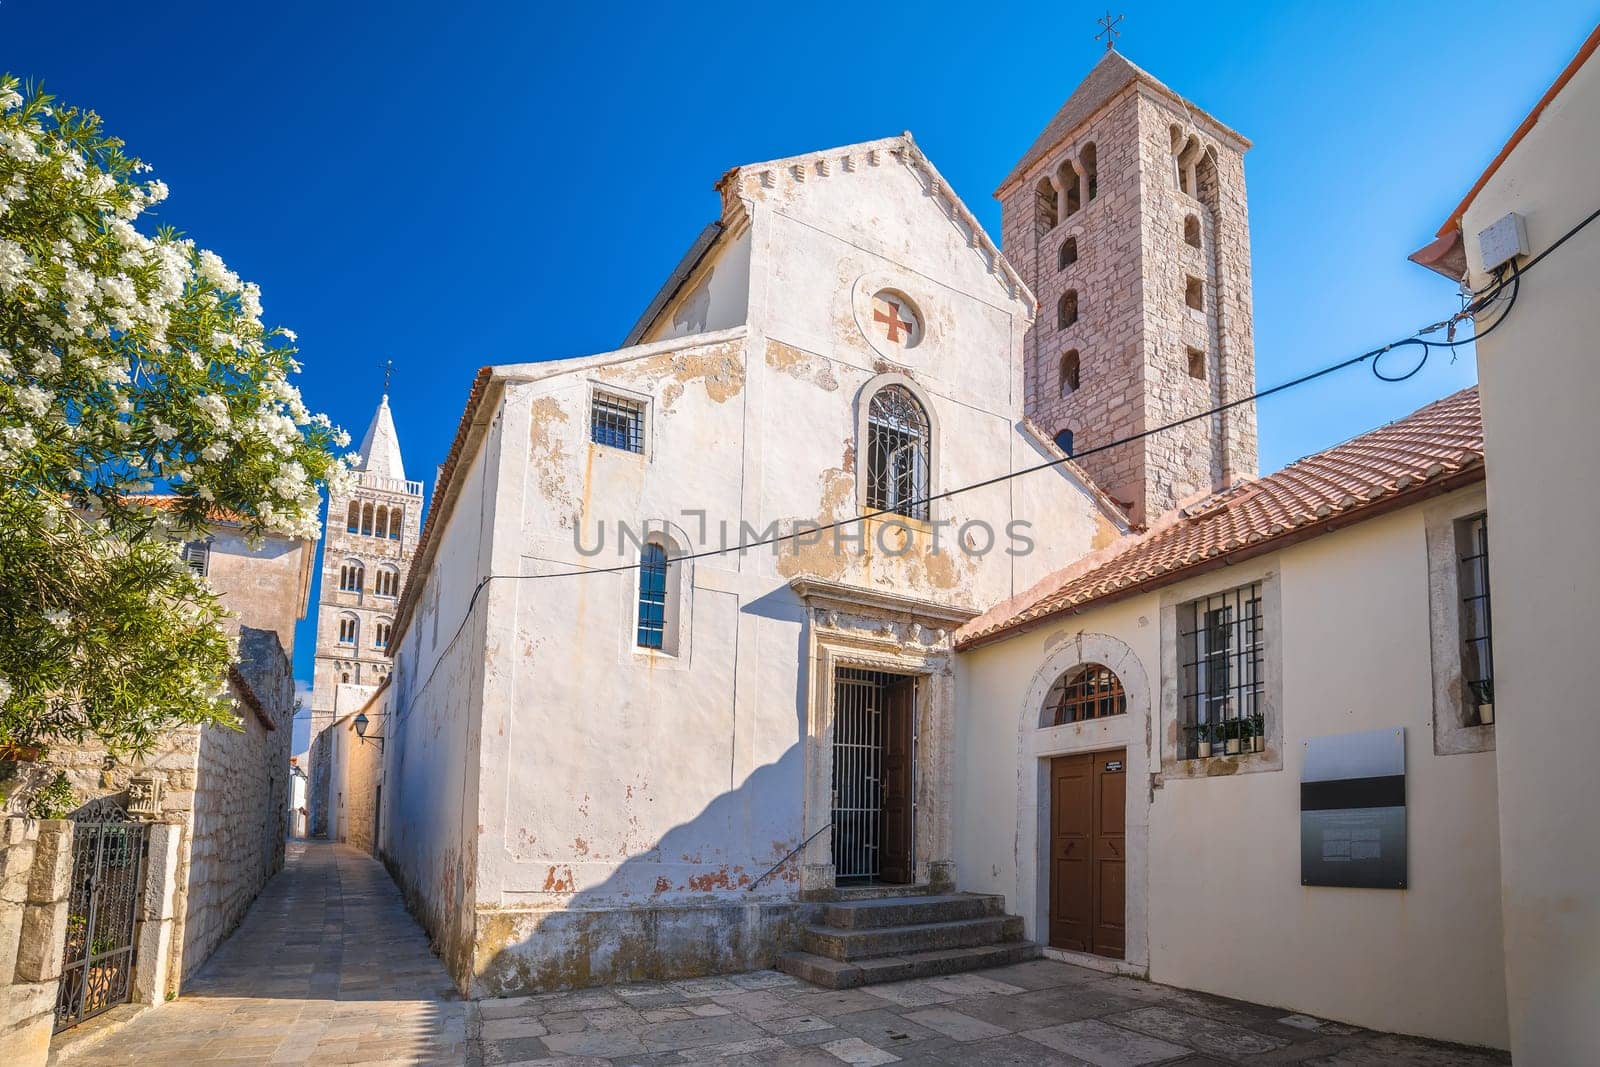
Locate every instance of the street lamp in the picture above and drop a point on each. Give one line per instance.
(361, 724)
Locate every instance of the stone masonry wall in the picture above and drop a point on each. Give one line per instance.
(240, 803)
(35, 874)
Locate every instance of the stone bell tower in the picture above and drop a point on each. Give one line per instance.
(367, 544)
(1127, 219)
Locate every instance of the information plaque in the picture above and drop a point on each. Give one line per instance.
(1353, 811)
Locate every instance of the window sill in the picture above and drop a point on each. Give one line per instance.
(1221, 765)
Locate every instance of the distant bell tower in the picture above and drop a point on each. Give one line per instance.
(1127, 218)
(367, 545)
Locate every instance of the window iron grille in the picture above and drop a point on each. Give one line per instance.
(1221, 642)
(897, 453)
(652, 596)
(1090, 691)
(1477, 653)
(617, 422)
(196, 555)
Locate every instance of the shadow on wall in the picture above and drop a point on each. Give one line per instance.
(720, 922)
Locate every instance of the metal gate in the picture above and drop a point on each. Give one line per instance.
(108, 861)
(857, 774)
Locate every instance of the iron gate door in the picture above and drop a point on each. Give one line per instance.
(874, 746)
(108, 859)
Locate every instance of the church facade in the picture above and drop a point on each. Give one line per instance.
(615, 749)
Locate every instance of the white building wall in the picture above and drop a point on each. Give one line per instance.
(629, 800)
(1537, 374)
(1214, 894)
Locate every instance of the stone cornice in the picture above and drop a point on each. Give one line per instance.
(820, 593)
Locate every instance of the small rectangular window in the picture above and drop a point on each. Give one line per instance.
(1477, 653)
(1221, 642)
(617, 422)
(1197, 364)
(1194, 293)
(197, 556)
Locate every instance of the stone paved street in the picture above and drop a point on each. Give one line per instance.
(1034, 1014)
(327, 967)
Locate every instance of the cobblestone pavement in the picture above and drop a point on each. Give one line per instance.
(1036, 1014)
(327, 967)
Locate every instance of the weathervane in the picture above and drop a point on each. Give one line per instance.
(388, 372)
(1110, 33)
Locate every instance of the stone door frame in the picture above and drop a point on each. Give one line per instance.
(850, 627)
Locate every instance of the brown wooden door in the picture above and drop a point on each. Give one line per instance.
(898, 778)
(1088, 896)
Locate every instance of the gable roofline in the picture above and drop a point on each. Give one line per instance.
(699, 251)
(1102, 86)
(903, 149)
(1434, 450)
(1585, 52)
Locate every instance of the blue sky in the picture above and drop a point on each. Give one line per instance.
(455, 185)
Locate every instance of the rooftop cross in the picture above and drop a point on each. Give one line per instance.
(1110, 33)
(388, 372)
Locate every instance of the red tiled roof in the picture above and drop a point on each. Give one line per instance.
(1432, 450)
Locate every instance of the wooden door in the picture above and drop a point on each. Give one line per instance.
(899, 779)
(1087, 852)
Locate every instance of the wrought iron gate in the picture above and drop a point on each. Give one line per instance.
(108, 860)
(857, 774)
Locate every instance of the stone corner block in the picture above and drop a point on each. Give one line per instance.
(42, 940)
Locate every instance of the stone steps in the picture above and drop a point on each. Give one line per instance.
(904, 911)
(893, 936)
(841, 974)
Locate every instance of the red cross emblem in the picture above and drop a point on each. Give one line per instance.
(892, 320)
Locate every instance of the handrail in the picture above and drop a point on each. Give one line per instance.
(770, 870)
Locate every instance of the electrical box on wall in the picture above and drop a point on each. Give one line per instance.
(1503, 241)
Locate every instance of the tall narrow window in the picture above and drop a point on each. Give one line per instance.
(1067, 309)
(396, 513)
(1197, 364)
(898, 451)
(1221, 646)
(353, 523)
(617, 422)
(381, 527)
(1091, 175)
(1191, 230)
(366, 519)
(1073, 186)
(1194, 293)
(653, 566)
(1069, 372)
(1045, 205)
(1477, 655)
(380, 635)
(1069, 253)
(349, 629)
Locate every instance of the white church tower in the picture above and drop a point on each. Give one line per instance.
(368, 540)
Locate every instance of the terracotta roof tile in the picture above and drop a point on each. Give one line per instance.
(1436, 447)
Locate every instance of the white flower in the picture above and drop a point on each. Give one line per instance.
(162, 430)
(10, 100)
(57, 618)
(18, 438)
(5, 685)
(215, 451)
(13, 261)
(290, 334)
(33, 399)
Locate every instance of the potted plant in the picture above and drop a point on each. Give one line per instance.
(1202, 738)
(1483, 698)
(1232, 742)
(1258, 732)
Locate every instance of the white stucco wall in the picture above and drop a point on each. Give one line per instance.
(1214, 894)
(1537, 374)
(629, 799)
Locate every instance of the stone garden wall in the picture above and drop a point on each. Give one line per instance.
(35, 868)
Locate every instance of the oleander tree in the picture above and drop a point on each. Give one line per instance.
(135, 371)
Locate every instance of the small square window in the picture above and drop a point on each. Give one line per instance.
(617, 422)
(1197, 364)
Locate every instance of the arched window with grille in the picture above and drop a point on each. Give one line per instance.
(653, 582)
(1087, 691)
(899, 453)
(351, 576)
